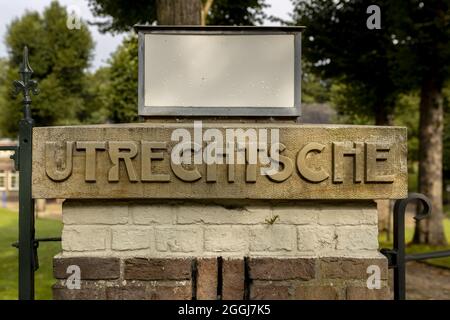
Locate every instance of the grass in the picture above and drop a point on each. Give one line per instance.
(447, 210)
(9, 257)
(416, 248)
(412, 180)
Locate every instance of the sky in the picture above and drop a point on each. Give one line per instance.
(105, 43)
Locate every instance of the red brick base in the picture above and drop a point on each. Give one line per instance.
(220, 278)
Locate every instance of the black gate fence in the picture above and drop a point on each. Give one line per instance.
(22, 156)
(397, 257)
(28, 244)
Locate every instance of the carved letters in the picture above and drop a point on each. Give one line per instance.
(220, 161)
(370, 162)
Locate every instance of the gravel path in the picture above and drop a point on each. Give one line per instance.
(425, 282)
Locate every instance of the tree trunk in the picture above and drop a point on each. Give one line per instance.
(383, 117)
(178, 12)
(431, 231)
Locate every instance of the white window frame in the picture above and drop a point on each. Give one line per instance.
(3, 175)
(10, 179)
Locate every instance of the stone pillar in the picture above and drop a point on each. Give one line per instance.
(220, 250)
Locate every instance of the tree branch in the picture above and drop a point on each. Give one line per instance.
(205, 11)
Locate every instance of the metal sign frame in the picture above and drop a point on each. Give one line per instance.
(244, 111)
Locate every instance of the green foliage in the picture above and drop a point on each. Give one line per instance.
(3, 71)
(238, 13)
(122, 89)
(407, 115)
(59, 57)
(422, 31)
(338, 45)
(314, 90)
(345, 98)
(119, 15)
(96, 97)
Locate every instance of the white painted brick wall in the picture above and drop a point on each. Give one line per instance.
(131, 238)
(105, 213)
(179, 238)
(229, 238)
(154, 214)
(85, 238)
(272, 238)
(357, 237)
(347, 215)
(314, 238)
(215, 214)
(197, 229)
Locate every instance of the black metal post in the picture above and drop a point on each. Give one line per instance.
(399, 245)
(396, 256)
(26, 202)
(26, 213)
(428, 255)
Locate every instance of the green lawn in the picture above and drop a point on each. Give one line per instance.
(8, 255)
(441, 262)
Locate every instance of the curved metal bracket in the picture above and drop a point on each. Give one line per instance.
(396, 256)
(401, 205)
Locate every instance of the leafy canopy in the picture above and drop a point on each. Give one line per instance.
(120, 15)
(59, 57)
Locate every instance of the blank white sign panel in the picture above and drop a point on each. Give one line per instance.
(219, 70)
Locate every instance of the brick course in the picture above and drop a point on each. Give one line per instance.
(157, 269)
(92, 268)
(224, 278)
(171, 250)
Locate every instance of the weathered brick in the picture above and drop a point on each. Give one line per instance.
(100, 213)
(179, 239)
(226, 239)
(155, 290)
(349, 215)
(215, 214)
(85, 238)
(127, 292)
(207, 276)
(269, 291)
(92, 268)
(363, 293)
(157, 269)
(181, 290)
(153, 214)
(88, 291)
(357, 237)
(350, 268)
(233, 279)
(295, 214)
(272, 238)
(316, 238)
(316, 293)
(131, 238)
(281, 269)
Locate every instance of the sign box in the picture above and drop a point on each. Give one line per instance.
(219, 71)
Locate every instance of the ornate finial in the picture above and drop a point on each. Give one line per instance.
(26, 85)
